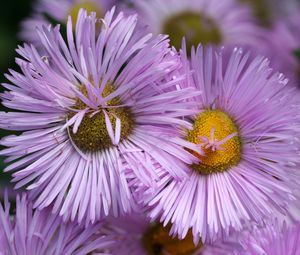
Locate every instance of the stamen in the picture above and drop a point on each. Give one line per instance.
(96, 130)
(213, 142)
(217, 135)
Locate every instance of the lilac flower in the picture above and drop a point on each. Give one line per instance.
(90, 111)
(46, 11)
(273, 239)
(283, 41)
(135, 235)
(247, 126)
(216, 22)
(36, 232)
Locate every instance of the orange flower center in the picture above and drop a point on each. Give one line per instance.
(217, 134)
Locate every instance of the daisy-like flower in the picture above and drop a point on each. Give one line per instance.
(216, 22)
(37, 232)
(135, 235)
(273, 239)
(57, 11)
(247, 126)
(283, 42)
(91, 110)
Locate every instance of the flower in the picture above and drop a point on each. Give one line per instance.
(247, 126)
(90, 111)
(283, 43)
(273, 239)
(36, 232)
(135, 235)
(199, 21)
(57, 11)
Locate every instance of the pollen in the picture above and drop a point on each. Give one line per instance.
(92, 134)
(195, 27)
(218, 136)
(157, 241)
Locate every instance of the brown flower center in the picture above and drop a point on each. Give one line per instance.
(158, 242)
(195, 27)
(92, 134)
(261, 10)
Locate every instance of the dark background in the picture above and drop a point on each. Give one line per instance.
(12, 12)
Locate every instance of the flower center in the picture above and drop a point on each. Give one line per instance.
(90, 6)
(195, 27)
(261, 10)
(92, 134)
(158, 242)
(218, 137)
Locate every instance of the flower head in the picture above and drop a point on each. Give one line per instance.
(57, 11)
(283, 43)
(136, 235)
(91, 109)
(273, 239)
(37, 232)
(200, 21)
(247, 127)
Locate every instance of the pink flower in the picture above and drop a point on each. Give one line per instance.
(91, 109)
(37, 232)
(247, 126)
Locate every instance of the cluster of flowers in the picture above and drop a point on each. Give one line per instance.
(153, 127)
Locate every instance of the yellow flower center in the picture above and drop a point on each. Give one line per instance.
(217, 134)
(92, 134)
(158, 242)
(195, 27)
(90, 6)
